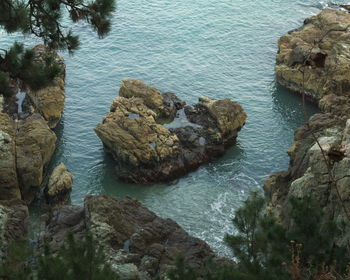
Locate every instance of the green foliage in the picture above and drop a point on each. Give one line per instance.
(15, 265)
(20, 63)
(42, 18)
(260, 245)
(182, 271)
(265, 250)
(82, 260)
(316, 237)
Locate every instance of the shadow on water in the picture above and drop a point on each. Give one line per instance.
(113, 186)
(289, 106)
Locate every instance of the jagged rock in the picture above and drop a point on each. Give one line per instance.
(13, 223)
(49, 101)
(321, 44)
(35, 145)
(318, 169)
(147, 150)
(336, 105)
(137, 242)
(63, 220)
(59, 186)
(9, 188)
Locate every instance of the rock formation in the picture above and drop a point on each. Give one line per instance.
(154, 137)
(59, 186)
(26, 141)
(13, 220)
(49, 101)
(320, 155)
(139, 244)
(9, 187)
(314, 58)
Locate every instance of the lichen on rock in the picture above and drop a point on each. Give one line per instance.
(135, 132)
(319, 156)
(59, 185)
(314, 58)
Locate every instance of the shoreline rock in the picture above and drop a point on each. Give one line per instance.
(27, 142)
(319, 50)
(320, 155)
(155, 137)
(138, 243)
(60, 186)
(13, 223)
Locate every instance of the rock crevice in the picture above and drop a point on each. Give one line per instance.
(155, 137)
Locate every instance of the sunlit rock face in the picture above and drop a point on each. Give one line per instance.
(314, 58)
(155, 137)
(59, 186)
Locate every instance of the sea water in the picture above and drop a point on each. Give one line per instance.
(216, 48)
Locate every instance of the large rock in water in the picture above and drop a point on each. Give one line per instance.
(154, 138)
(322, 45)
(59, 186)
(139, 244)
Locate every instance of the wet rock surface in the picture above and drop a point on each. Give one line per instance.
(139, 244)
(154, 137)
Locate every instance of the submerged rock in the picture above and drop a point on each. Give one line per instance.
(139, 244)
(147, 151)
(314, 59)
(59, 186)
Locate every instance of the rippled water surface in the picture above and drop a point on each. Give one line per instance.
(221, 48)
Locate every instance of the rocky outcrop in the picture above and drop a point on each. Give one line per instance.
(35, 145)
(314, 58)
(139, 244)
(319, 155)
(59, 186)
(26, 141)
(49, 101)
(13, 223)
(154, 137)
(9, 187)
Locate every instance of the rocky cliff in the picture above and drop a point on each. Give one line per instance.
(27, 142)
(314, 60)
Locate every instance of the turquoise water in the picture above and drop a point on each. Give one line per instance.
(221, 48)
